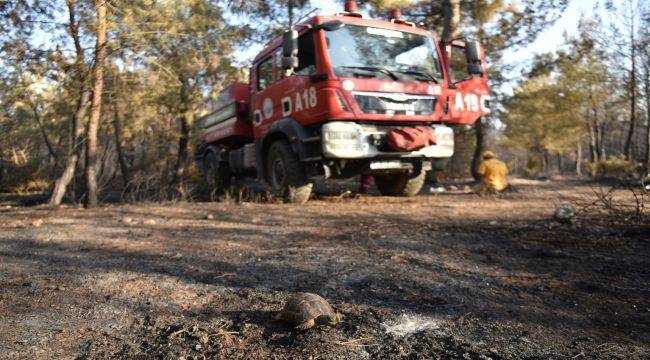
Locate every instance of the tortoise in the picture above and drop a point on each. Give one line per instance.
(306, 310)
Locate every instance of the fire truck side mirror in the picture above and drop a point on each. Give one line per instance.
(290, 50)
(290, 63)
(474, 57)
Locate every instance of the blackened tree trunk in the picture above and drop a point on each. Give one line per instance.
(46, 137)
(547, 163)
(183, 140)
(181, 161)
(451, 17)
(290, 6)
(593, 142)
(74, 151)
(92, 199)
(598, 135)
(117, 128)
(478, 150)
(647, 118)
(579, 158)
(630, 133)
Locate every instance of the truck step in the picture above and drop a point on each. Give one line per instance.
(315, 158)
(311, 139)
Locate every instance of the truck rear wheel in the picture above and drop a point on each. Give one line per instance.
(286, 175)
(402, 184)
(217, 175)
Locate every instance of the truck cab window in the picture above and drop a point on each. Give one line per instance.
(265, 74)
(306, 55)
(370, 52)
(458, 64)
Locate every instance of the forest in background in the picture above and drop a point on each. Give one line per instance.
(100, 95)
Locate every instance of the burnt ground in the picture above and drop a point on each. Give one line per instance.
(439, 276)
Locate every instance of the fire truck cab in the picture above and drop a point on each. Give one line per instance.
(322, 98)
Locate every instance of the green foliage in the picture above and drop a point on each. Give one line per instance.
(573, 98)
(265, 19)
(548, 112)
(25, 178)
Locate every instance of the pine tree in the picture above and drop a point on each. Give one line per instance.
(78, 119)
(92, 199)
(189, 46)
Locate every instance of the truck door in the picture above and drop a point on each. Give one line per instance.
(278, 95)
(469, 98)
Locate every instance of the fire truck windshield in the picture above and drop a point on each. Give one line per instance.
(369, 52)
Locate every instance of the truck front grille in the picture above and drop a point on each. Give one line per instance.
(395, 104)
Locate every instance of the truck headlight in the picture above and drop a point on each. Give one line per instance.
(344, 140)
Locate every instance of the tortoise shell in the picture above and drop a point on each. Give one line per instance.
(306, 310)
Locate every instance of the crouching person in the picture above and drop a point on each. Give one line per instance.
(493, 174)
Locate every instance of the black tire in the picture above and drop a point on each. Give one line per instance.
(217, 174)
(286, 175)
(401, 184)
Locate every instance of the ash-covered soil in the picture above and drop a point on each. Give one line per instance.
(443, 276)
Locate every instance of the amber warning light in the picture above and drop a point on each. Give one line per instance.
(351, 6)
(395, 14)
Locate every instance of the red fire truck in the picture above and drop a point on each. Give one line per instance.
(322, 98)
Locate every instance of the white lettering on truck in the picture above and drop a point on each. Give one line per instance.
(301, 100)
(471, 102)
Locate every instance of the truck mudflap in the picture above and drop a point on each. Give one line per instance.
(349, 140)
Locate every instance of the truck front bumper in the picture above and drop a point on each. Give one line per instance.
(349, 140)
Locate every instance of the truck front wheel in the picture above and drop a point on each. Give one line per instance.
(402, 184)
(286, 175)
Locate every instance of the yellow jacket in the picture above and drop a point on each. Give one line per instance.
(493, 173)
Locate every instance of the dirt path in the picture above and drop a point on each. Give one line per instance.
(446, 276)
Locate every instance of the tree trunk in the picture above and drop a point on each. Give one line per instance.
(547, 163)
(451, 15)
(72, 157)
(46, 138)
(630, 134)
(647, 118)
(579, 159)
(593, 144)
(103, 159)
(117, 127)
(92, 199)
(601, 145)
(143, 154)
(181, 161)
(478, 150)
(598, 135)
(290, 12)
